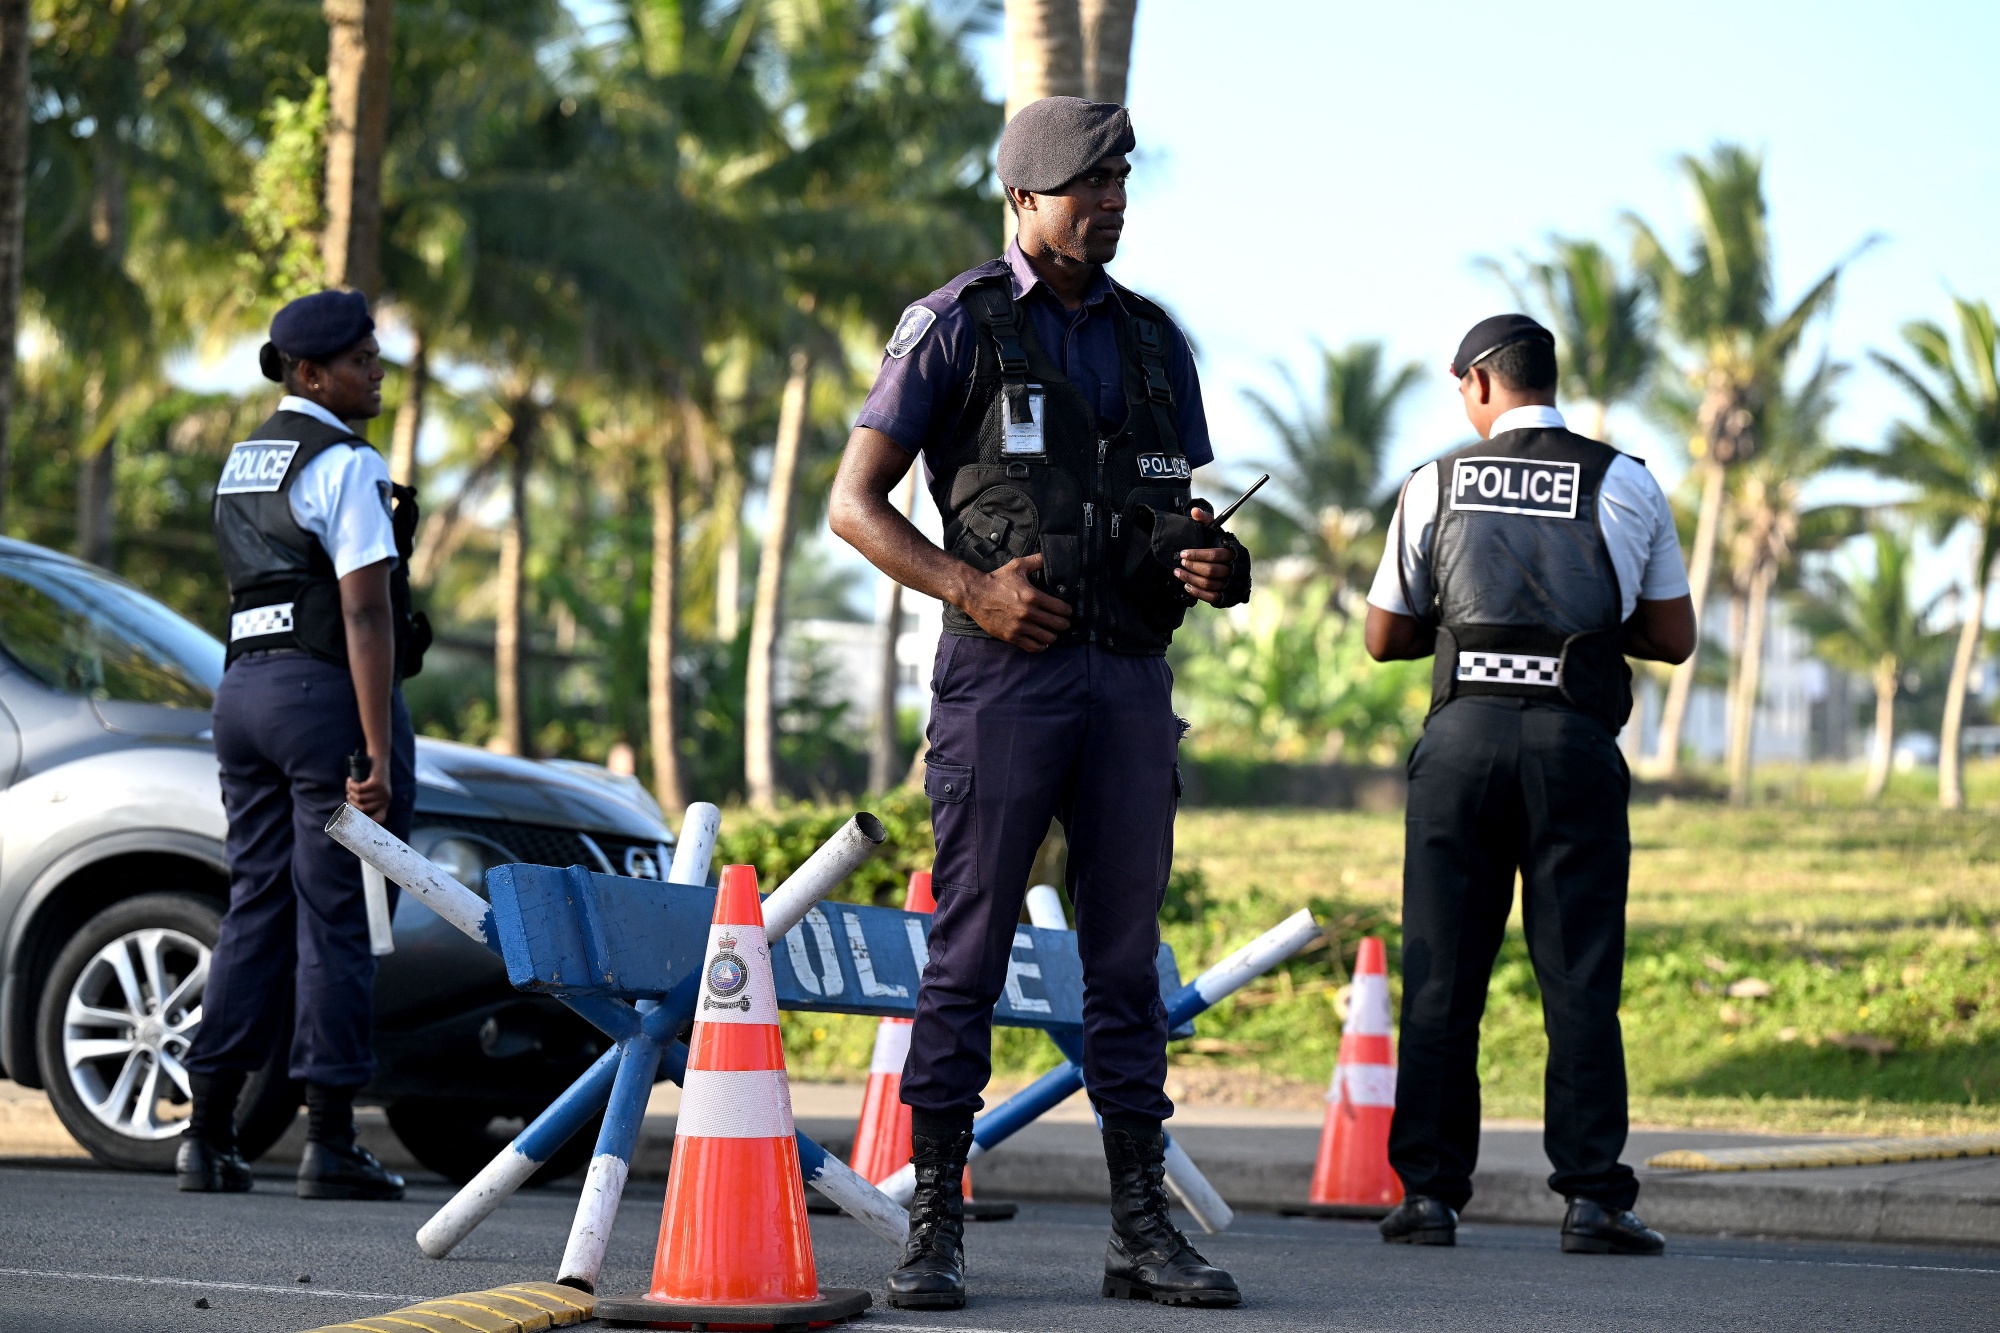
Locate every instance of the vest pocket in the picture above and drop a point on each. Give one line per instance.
(1002, 524)
(1147, 582)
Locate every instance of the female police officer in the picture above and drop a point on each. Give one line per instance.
(320, 634)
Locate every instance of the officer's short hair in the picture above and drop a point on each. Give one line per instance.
(1525, 364)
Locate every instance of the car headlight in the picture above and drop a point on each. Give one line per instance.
(467, 859)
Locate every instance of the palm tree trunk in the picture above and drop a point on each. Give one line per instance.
(1044, 51)
(1750, 671)
(882, 753)
(1107, 47)
(95, 475)
(1882, 748)
(357, 124)
(510, 620)
(410, 416)
(1951, 784)
(1673, 717)
(760, 715)
(662, 727)
(728, 514)
(13, 210)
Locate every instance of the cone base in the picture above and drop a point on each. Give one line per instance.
(1359, 1212)
(641, 1311)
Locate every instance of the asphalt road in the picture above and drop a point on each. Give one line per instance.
(89, 1250)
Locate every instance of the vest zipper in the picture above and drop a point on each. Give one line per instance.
(1103, 448)
(1089, 589)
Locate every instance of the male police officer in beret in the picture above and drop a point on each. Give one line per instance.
(1532, 564)
(320, 635)
(1058, 417)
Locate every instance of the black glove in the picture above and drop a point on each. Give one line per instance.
(1169, 534)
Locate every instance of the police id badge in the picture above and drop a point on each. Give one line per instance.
(1023, 439)
(1164, 467)
(1538, 487)
(255, 466)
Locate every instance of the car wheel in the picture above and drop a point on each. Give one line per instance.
(456, 1137)
(118, 1013)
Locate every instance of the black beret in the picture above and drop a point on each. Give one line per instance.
(1490, 335)
(1050, 143)
(314, 327)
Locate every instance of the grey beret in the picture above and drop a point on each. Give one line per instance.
(1050, 143)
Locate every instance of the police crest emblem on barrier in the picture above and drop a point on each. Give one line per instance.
(727, 976)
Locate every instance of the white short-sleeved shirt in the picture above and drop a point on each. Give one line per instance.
(1632, 513)
(342, 497)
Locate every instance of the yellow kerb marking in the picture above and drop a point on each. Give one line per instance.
(1858, 1152)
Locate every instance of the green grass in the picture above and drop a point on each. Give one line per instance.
(1876, 929)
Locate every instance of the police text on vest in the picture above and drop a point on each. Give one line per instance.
(256, 465)
(1516, 486)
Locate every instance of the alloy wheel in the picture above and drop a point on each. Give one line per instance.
(128, 1022)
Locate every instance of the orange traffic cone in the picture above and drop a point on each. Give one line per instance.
(882, 1136)
(734, 1248)
(1352, 1177)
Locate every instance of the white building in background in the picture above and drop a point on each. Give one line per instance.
(852, 649)
(1806, 710)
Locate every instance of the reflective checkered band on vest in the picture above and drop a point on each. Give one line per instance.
(261, 620)
(1513, 668)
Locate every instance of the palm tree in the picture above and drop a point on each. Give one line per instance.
(357, 79)
(1107, 47)
(1602, 320)
(1721, 308)
(1863, 620)
(760, 708)
(1770, 526)
(1329, 472)
(13, 209)
(1951, 455)
(1044, 51)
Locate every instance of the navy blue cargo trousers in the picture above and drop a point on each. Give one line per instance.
(296, 932)
(1088, 737)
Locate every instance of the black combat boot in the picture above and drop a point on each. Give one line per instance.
(1148, 1258)
(335, 1166)
(207, 1161)
(932, 1274)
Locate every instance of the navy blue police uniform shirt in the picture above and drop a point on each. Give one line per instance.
(921, 387)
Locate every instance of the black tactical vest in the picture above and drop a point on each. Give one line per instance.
(1085, 501)
(1526, 597)
(282, 589)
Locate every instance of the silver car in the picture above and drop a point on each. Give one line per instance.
(112, 885)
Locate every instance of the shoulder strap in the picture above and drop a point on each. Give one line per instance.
(995, 309)
(1149, 335)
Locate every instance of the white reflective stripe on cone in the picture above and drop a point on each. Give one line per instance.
(735, 1104)
(1368, 1006)
(1366, 1085)
(892, 1047)
(736, 985)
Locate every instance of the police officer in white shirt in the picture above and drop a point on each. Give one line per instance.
(315, 542)
(1532, 564)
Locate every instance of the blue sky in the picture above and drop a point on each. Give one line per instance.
(1312, 171)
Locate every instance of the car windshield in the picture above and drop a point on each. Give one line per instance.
(85, 633)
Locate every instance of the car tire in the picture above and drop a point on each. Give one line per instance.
(168, 935)
(456, 1138)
